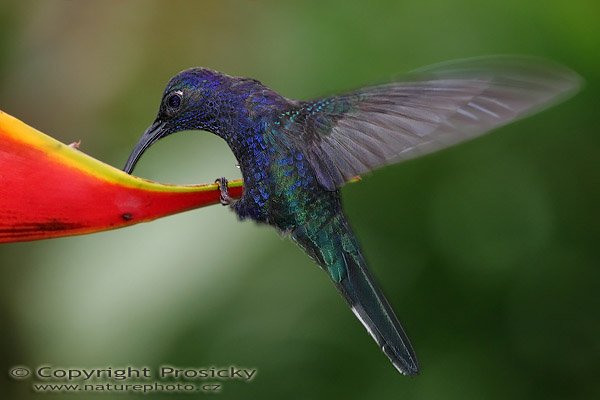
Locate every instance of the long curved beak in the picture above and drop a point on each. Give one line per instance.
(152, 134)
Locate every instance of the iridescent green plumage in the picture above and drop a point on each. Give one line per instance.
(295, 155)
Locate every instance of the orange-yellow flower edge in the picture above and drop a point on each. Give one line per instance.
(49, 189)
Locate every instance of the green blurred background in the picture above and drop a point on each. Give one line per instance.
(488, 251)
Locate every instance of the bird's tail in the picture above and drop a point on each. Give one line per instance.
(334, 246)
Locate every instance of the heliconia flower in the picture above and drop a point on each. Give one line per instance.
(49, 189)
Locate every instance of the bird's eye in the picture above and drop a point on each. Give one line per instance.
(174, 100)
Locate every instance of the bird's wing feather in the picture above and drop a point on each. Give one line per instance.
(433, 108)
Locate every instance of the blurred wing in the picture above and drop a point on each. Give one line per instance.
(438, 106)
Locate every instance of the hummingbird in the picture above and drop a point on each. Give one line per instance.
(296, 155)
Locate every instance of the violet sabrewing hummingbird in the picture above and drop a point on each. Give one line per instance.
(295, 155)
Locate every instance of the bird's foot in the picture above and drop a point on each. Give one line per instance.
(224, 198)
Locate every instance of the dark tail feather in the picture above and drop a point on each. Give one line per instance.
(372, 309)
(361, 292)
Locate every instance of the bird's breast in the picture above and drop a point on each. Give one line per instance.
(281, 188)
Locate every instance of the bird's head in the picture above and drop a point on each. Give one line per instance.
(193, 99)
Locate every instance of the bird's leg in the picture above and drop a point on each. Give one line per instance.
(224, 197)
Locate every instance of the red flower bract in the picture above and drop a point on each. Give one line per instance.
(49, 189)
